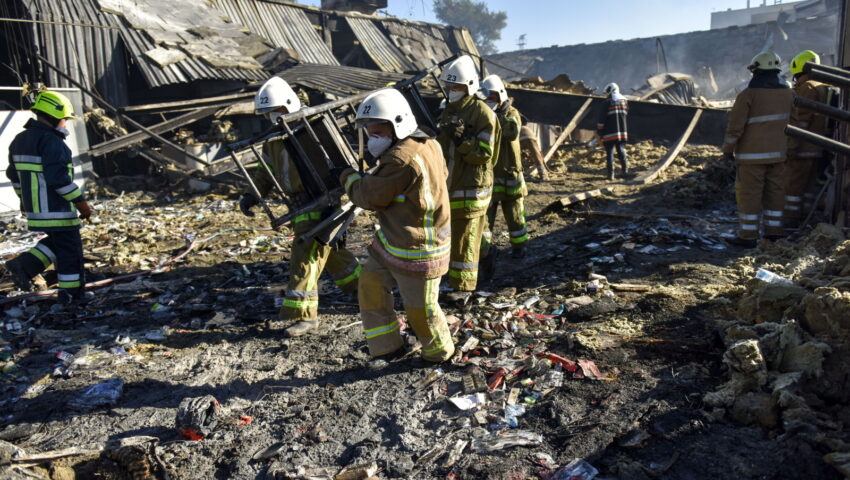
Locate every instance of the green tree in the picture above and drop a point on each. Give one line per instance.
(484, 25)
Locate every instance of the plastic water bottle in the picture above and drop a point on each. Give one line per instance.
(769, 277)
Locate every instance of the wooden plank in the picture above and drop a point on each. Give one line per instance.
(578, 117)
(182, 105)
(671, 154)
(580, 197)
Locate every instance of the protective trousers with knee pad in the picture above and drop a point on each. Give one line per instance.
(63, 248)
(380, 322)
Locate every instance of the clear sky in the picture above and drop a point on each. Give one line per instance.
(568, 22)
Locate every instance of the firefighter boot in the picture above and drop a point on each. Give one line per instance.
(610, 167)
(302, 328)
(20, 278)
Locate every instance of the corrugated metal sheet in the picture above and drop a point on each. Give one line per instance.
(339, 80)
(95, 57)
(89, 54)
(422, 43)
(285, 26)
(378, 46)
(462, 40)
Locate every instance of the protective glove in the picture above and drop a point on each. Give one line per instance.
(84, 209)
(246, 203)
(729, 157)
(457, 133)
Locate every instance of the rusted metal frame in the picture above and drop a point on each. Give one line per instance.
(830, 78)
(578, 117)
(825, 142)
(303, 154)
(115, 111)
(263, 164)
(123, 141)
(263, 204)
(315, 138)
(822, 108)
(673, 152)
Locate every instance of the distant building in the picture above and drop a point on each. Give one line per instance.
(768, 11)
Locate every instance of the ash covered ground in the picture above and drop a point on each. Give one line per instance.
(636, 297)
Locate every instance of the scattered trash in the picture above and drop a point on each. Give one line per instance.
(454, 454)
(634, 439)
(432, 377)
(500, 440)
(99, 395)
(197, 417)
(272, 450)
(576, 470)
(589, 369)
(357, 472)
(512, 413)
(770, 277)
(468, 402)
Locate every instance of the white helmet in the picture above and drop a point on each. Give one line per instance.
(765, 61)
(276, 93)
(612, 88)
(493, 83)
(388, 105)
(461, 70)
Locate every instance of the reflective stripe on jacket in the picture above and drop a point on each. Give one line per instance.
(41, 171)
(756, 128)
(470, 163)
(507, 174)
(407, 190)
(612, 125)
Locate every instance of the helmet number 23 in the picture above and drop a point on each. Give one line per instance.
(451, 78)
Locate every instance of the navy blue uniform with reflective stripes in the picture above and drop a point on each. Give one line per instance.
(41, 171)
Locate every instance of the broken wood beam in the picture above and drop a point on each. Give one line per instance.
(124, 141)
(629, 287)
(568, 129)
(580, 197)
(184, 105)
(671, 154)
(115, 111)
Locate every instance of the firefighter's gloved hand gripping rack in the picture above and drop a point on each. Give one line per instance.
(316, 139)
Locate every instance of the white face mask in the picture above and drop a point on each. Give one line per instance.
(63, 131)
(378, 144)
(455, 95)
(493, 105)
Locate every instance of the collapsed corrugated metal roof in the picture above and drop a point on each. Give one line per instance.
(339, 80)
(93, 55)
(87, 53)
(424, 44)
(182, 27)
(378, 46)
(285, 26)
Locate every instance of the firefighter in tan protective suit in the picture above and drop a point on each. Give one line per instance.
(469, 136)
(509, 188)
(804, 157)
(755, 140)
(407, 190)
(307, 258)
